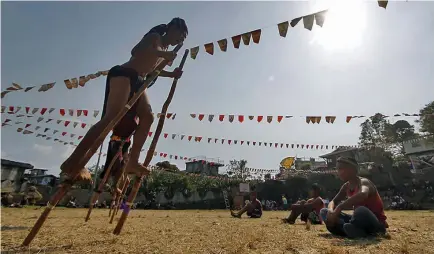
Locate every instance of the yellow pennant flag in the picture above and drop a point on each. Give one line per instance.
(246, 38)
(223, 44)
(283, 28)
(194, 51)
(209, 48)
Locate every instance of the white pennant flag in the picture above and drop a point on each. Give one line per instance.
(18, 109)
(71, 112)
(51, 110)
(75, 124)
(35, 110)
(40, 119)
(95, 113)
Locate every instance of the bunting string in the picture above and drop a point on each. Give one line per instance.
(254, 35)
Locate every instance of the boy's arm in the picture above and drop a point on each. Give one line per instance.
(339, 197)
(365, 188)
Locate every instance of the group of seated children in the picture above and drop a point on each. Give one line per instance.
(357, 193)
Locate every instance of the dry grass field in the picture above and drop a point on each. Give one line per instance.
(203, 232)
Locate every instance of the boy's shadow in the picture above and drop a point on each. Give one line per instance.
(342, 241)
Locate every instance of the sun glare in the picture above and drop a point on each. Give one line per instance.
(344, 26)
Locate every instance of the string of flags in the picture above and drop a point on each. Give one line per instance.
(192, 138)
(255, 35)
(16, 87)
(62, 111)
(269, 119)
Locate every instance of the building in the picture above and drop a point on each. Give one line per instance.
(332, 157)
(314, 164)
(13, 172)
(204, 166)
(421, 152)
(39, 176)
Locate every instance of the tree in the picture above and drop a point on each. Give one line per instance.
(395, 135)
(237, 169)
(306, 166)
(426, 119)
(165, 165)
(373, 130)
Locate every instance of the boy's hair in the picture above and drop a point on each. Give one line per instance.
(179, 23)
(316, 187)
(351, 162)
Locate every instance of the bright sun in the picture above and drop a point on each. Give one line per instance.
(344, 26)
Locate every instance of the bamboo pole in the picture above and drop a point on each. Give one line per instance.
(150, 153)
(119, 198)
(101, 185)
(62, 191)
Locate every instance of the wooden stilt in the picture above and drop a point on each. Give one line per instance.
(96, 194)
(150, 153)
(119, 199)
(56, 198)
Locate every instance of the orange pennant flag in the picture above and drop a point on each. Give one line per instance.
(209, 48)
(308, 119)
(236, 40)
(256, 36)
(318, 119)
(348, 119)
(223, 44)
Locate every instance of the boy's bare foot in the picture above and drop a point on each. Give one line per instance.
(136, 168)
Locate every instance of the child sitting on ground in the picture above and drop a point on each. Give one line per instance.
(309, 210)
(253, 208)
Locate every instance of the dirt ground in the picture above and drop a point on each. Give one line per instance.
(203, 232)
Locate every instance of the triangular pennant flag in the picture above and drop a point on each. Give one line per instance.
(173, 136)
(165, 135)
(215, 140)
(189, 138)
(246, 38)
(221, 118)
(67, 123)
(223, 140)
(251, 117)
(348, 119)
(43, 110)
(79, 112)
(82, 81)
(46, 87)
(68, 83)
(201, 116)
(46, 129)
(62, 112)
(229, 141)
(27, 132)
(64, 133)
(210, 118)
(209, 140)
(308, 119)
(72, 135)
(75, 124)
(308, 21)
(318, 119)
(193, 115)
(149, 133)
(242, 142)
(49, 120)
(79, 137)
(35, 110)
(193, 52)
(382, 3)
(18, 109)
(182, 137)
(248, 143)
(235, 142)
(320, 17)
(27, 125)
(260, 118)
(37, 127)
(95, 113)
(294, 22)
(168, 115)
(29, 88)
(256, 36)
(83, 125)
(71, 112)
(236, 40)
(3, 94)
(240, 118)
(231, 118)
(279, 118)
(209, 48)
(198, 139)
(85, 112)
(269, 119)
(19, 129)
(223, 44)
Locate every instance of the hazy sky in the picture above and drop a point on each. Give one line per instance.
(365, 60)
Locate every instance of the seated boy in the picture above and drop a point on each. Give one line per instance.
(368, 217)
(253, 208)
(309, 209)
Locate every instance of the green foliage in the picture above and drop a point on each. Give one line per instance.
(165, 165)
(237, 169)
(426, 120)
(306, 166)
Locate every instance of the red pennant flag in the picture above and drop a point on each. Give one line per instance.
(79, 137)
(43, 110)
(260, 118)
(201, 116)
(161, 154)
(85, 112)
(221, 117)
(185, 158)
(317, 146)
(67, 123)
(279, 118)
(229, 141)
(176, 157)
(241, 118)
(275, 145)
(189, 138)
(348, 119)
(150, 134)
(27, 109)
(83, 125)
(165, 155)
(242, 141)
(198, 139)
(165, 135)
(254, 142)
(169, 115)
(27, 125)
(62, 111)
(64, 133)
